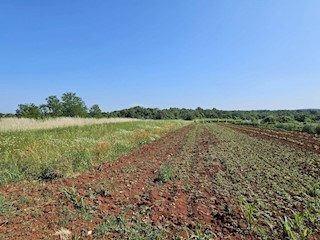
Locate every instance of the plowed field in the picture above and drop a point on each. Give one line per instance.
(303, 140)
(203, 181)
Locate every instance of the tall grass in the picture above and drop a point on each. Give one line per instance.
(21, 124)
(60, 152)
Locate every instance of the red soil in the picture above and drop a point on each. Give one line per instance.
(310, 142)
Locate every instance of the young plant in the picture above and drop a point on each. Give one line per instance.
(250, 210)
(199, 234)
(288, 228)
(166, 173)
(73, 196)
(296, 228)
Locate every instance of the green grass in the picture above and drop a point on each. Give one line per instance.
(4, 206)
(61, 152)
(129, 229)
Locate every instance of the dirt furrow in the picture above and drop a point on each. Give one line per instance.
(305, 141)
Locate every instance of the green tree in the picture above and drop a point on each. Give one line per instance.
(44, 109)
(73, 106)
(188, 114)
(271, 119)
(285, 118)
(55, 108)
(95, 111)
(199, 113)
(28, 111)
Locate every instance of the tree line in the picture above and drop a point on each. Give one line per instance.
(70, 105)
(297, 120)
(266, 116)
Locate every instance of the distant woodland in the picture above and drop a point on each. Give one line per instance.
(71, 105)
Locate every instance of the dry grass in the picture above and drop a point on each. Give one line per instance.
(64, 234)
(21, 124)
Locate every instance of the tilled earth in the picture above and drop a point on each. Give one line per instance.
(186, 185)
(307, 141)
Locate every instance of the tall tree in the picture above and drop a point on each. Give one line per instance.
(43, 108)
(55, 108)
(95, 111)
(28, 111)
(73, 106)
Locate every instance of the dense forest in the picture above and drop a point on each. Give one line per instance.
(199, 113)
(307, 120)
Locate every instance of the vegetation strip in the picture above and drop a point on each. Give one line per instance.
(63, 152)
(25, 124)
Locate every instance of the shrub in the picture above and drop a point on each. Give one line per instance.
(308, 128)
(50, 171)
(271, 119)
(285, 119)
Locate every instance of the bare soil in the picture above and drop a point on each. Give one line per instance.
(310, 142)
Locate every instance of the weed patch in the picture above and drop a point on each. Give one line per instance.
(74, 197)
(166, 173)
(4, 205)
(119, 227)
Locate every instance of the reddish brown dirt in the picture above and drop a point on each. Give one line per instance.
(130, 187)
(309, 142)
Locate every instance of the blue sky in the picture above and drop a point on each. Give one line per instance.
(213, 54)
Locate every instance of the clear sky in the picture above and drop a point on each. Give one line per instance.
(222, 54)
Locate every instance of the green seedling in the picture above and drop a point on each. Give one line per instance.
(73, 196)
(250, 210)
(199, 234)
(166, 173)
(296, 228)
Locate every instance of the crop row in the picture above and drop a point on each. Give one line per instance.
(307, 141)
(281, 182)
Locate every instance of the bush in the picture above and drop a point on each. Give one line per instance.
(285, 119)
(49, 171)
(271, 119)
(309, 128)
(288, 126)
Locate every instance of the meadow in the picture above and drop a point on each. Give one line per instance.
(56, 151)
(23, 124)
